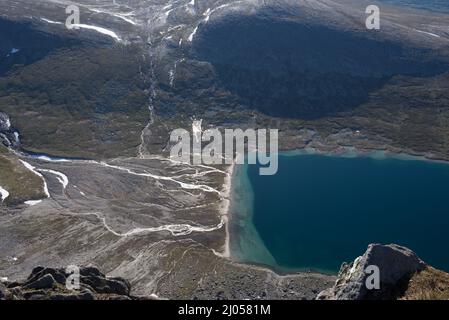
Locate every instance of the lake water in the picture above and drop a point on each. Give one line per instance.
(320, 211)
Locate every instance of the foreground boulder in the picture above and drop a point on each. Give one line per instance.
(50, 284)
(399, 271)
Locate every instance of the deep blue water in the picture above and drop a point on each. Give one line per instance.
(320, 211)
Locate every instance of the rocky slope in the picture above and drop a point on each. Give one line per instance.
(50, 284)
(402, 276)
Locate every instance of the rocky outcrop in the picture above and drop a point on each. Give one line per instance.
(396, 265)
(8, 136)
(50, 284)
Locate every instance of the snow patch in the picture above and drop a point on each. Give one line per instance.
(428, 33)
(50, 21)
(193, 34)
(49, 159)
(207, 15)
(123, 16)
(62, 178)
(101, 30)
(32, 202)
(171, 76)
(3, 194)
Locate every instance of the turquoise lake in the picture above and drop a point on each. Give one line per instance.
(319, 211)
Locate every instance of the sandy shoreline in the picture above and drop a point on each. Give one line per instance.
(225, 208)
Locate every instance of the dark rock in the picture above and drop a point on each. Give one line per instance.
(13, 284)
(80, 296)
(3, 290)
(35, 271)
(39, 272)
(37, 297)
(118, 297)
(103, 285)
(46, 282)
(86, 287)
(91, 271)
(34, 295)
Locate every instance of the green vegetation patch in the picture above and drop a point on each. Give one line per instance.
(21, 183)
(79, 102)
